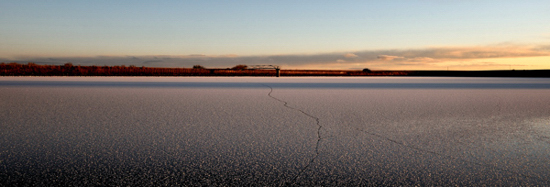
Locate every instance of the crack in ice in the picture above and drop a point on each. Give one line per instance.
(319, 138)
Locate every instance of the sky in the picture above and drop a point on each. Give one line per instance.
(305, 34)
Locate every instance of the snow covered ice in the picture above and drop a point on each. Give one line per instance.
(266, 131)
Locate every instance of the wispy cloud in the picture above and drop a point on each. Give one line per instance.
(347, 60)
(387, 57)
(350, 55)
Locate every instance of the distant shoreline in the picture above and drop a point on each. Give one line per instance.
(31, 69)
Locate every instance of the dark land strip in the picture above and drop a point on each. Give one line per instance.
(31, 69)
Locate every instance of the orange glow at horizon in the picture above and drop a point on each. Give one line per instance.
(512, 63)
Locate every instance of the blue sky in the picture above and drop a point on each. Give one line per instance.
(411, 34)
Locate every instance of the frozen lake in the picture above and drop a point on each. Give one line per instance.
(264, 131)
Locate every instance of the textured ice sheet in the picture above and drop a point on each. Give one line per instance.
(274, 131)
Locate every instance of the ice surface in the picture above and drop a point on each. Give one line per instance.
(274, 131)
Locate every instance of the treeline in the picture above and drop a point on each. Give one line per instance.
(68, 69)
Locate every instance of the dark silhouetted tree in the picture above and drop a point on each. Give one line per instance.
(198, 67)
(240, 67)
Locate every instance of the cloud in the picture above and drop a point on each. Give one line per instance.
(543, 48)
(479, 52)
(484, 65)
(230, 55)
(196, 55)
(367, 58)
(350, 55)
(422, 59)
(387, 57)
(151, 61)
